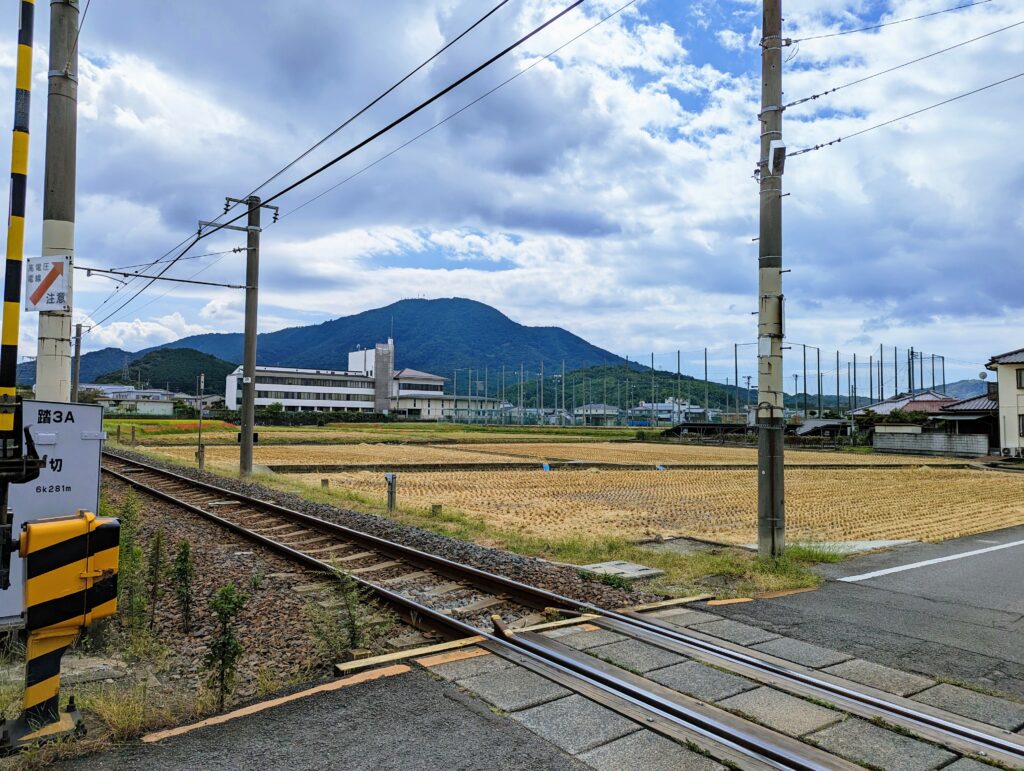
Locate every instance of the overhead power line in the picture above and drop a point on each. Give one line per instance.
(889, 23)
(289, 165)
(904, 117)
(112, 273)
(900, 66)
(354, 148)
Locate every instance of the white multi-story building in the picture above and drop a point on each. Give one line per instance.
(1009, 369)
(370, 384)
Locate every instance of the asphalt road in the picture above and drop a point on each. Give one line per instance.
(409, 721)
(961, 619)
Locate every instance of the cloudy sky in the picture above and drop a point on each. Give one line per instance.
(608, 189)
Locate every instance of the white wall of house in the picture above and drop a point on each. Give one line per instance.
(1011, 405)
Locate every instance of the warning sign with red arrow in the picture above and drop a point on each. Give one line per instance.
(46, 283)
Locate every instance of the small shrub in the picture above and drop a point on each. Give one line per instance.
(127, 713)
(182, 572)
(225, 648)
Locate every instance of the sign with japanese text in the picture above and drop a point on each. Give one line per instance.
(69, 438)
(46, 283)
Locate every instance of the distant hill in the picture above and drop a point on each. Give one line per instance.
(93, 365)
(432, 335)
(175, 369)
(965, 389)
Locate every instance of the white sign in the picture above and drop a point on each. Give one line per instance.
(70, 437)
(46, 283)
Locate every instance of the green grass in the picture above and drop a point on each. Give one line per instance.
(804, 551)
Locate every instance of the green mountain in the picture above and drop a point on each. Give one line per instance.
(94, 364)
(432, 335)
(175, 369)
(965, 389)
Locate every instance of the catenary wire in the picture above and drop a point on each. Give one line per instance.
(889, 23)
(904, 117)
(303, 155)
(74, 44)
(900, 66)
(354, 148)
(188, 257)
(462, 109)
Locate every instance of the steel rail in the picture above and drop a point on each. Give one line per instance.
(856, 700)
(755, 748)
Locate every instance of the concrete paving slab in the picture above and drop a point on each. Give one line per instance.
(583, 640)
(884, 678)
(866, 743)
(684, 617)
(623, 569)
(464, 668)
(801, 652)
(781, 711)
(700, 681)
(735, 631)
(979, 706)
(647, 751)
(636, 656)
(513, 689)
(575, 723)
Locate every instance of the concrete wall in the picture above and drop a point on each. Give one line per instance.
(969, 445)
(1011, 406)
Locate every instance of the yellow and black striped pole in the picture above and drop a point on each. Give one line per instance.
(10, 329)
(70, 581)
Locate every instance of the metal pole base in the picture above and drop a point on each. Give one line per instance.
(771, 516)
(19, 734)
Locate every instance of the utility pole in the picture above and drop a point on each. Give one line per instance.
(736, 374)
(871, 378)
(933, 370)
(200, 450)
(53, 361)
(652, 389)
(771, 521)
(521, 418)
(76, 364)
(839, 409)
(540, 392)
(252, 280)
(854, 381)
(805, 379)
(563, 391)
(943, 357)
(818, 386)
(707, 418)
(921, 360)
(881, 373)
(895, 371)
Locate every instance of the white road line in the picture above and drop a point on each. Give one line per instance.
(924, 563)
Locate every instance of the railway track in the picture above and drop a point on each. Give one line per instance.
(456, 601)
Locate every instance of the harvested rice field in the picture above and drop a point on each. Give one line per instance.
(664, 453)
(339, 455)
(821, 504)
(626, 453)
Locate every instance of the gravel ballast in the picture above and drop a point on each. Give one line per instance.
(565, 580)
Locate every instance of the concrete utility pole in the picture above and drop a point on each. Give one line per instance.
(818, 386)
(805, 380)
(252, 281)
(771, 519)
(76, 365)
(53, 361)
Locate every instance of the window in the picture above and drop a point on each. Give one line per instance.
(1020, 425)
(1020, 378)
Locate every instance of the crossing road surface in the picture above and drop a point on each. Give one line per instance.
(952, 610)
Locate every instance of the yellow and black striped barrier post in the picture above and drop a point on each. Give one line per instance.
(10, 327)
(70, 581)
